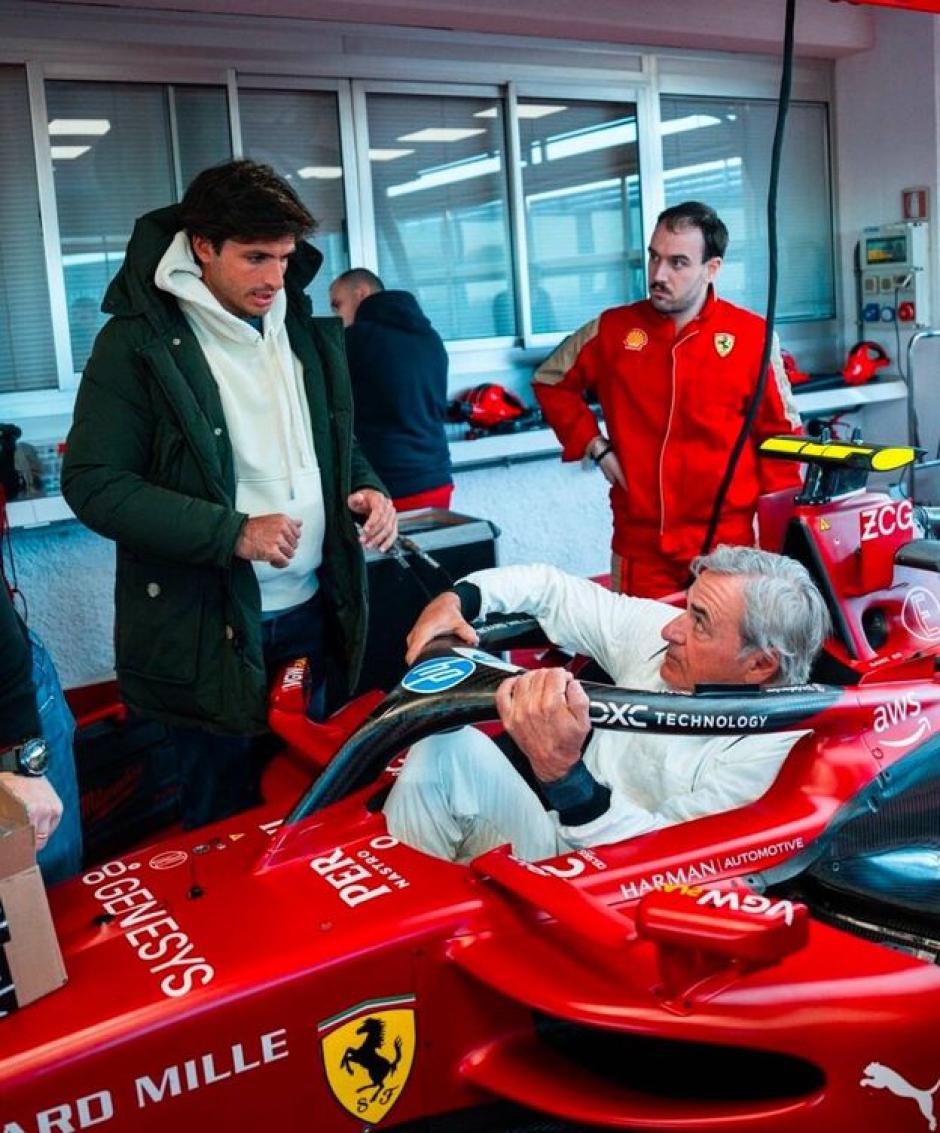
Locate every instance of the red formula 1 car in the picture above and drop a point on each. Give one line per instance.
(772, 968)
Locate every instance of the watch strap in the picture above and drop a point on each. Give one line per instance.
(9, 759)
(12, 758)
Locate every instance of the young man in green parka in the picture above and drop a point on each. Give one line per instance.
(213, 442)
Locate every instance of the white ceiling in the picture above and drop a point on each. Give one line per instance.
(828, 28)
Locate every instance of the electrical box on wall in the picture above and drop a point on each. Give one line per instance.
(895, 279)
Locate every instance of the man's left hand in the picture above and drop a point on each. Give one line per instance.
(380, 529)
(38, 796)
(546, 713)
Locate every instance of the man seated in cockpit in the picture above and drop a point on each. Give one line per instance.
(751, 618)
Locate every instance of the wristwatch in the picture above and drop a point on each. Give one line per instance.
(31, 757)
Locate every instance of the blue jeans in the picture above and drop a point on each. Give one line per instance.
(61, 857)
(220, 775)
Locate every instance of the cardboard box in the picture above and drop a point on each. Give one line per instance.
(30, 960)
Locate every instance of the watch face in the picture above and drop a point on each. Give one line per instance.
(33, 757)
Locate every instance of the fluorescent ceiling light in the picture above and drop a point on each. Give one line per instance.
(388, 154)
(447, 175)
(690, 122)
(524, 110)
(620, 133)
(588, 141)
(67, 153)
(725, 165)
(441, 134)
(321, 172)
(575, 190)
(74, 259)
(95, 127)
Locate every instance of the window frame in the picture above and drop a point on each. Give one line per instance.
(360, 90)
(639, 76)
(59, 399)
(712, 75)
(641, 95)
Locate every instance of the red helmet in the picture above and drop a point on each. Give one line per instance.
(864, 359)
(795, 375)
(489, 404)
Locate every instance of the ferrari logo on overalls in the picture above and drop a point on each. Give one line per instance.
(635, 339)
(367, 1054)
(724, 343)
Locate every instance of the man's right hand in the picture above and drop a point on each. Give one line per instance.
(610, 466)
(269, 539)
(609, 463)
(38, 796)
(439, 617)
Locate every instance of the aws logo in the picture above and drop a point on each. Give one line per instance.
(898, 711)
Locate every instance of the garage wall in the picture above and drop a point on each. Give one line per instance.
(887, 139)
(67, 572)
(887, 62)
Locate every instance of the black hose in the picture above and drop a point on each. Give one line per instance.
(783, 105)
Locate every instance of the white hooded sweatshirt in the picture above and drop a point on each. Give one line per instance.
(261, 386)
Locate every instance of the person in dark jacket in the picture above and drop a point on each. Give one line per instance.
(398, 367)
(37, 764)
(213, 442)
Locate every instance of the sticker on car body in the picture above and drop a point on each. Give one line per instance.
(368, 1052)
(438, 675)
(487, 659)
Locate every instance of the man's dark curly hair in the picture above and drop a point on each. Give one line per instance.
(244, 201)
(694, 214)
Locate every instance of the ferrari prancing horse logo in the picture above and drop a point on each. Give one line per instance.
(368, 1052)
(724, 343)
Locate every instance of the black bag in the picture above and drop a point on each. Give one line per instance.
(128, 778)
(10, 480)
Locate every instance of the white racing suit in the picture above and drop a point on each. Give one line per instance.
(458, 795)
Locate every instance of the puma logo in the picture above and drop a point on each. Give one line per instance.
(882, 1077)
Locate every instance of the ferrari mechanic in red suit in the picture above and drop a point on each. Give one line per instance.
(674, 375)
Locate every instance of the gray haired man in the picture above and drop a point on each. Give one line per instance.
(751, 618)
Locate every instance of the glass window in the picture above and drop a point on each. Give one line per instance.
(297, 133)
(580, 179)
(113, 158)
(718, 151)
(202, 129)
(27, 357)
(441, 214)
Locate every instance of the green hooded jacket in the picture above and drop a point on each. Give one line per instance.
(149, 464)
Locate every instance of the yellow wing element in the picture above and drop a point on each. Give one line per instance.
(873, 458)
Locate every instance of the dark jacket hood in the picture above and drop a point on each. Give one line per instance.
(132, 291)
(397, 309)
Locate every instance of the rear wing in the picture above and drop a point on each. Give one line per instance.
(841, 454)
